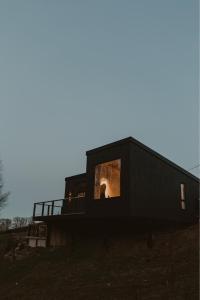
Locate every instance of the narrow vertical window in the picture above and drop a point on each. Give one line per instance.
(183, 206)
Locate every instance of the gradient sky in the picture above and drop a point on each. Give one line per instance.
(75, 75)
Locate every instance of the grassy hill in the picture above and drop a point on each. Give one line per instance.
(122, 267)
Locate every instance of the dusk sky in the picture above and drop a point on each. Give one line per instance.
(75, 75)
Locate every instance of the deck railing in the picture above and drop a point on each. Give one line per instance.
(59, 207)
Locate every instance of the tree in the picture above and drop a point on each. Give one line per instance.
(3, 196)
(5, 224)
(19, 222)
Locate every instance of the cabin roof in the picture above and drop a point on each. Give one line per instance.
(75, 176)
(146, 148)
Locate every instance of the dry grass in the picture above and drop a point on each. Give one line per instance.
(124, 269)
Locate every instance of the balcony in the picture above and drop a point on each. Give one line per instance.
(58, 207)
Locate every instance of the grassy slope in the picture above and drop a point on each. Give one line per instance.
(124, 269)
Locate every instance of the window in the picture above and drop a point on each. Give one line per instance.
(81, 194)
(107, 179)
(183, 206)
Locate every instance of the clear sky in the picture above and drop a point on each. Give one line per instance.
(75, 75)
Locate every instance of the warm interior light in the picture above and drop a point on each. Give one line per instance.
(107, 179)
(107, 189)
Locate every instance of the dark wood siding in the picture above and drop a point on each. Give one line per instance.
(75, 184)
(155, 188)
(113, 207)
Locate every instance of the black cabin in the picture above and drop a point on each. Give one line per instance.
(126, 179)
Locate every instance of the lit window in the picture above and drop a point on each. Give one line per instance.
(182, 192)
(183, 206)
(107, 179)
(81, 194)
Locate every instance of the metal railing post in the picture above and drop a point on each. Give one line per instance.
(34, 209)
(43, 209)
(48, 210)
(52, 208)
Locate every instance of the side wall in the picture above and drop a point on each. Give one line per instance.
(155, 188)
